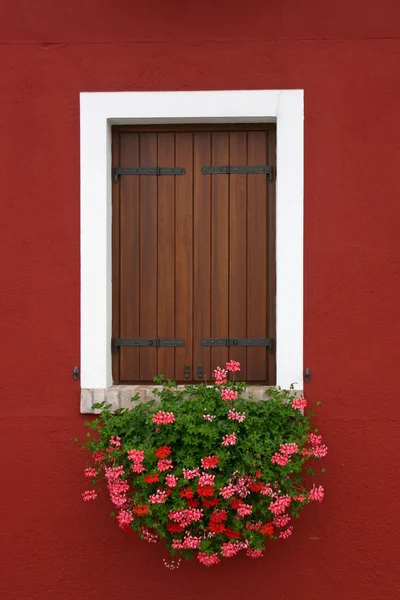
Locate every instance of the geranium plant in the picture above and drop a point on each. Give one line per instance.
(205, 470)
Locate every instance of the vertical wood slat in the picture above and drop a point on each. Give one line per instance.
(219, 248)
(271, 266)
(184, 254)
(166, 254)
(201, 254)
(257, 274)
(148, 256)
(129, 257)
(115, 256)
(237, 248)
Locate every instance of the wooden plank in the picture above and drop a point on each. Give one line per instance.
(166, 254)
(148, 256)
(129, 257)
(184, 255)
(257, 271)
(238, 248)
(271, 234)
(201, 254)
(219, 248)
(115, 256)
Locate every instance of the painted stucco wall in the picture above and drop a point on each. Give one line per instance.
(346, 56)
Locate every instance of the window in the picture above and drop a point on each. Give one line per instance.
(99, 111)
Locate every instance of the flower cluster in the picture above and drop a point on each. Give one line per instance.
(207, 471)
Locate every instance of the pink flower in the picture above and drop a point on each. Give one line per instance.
(137, 468)
(159, 497)
(136, 456)
(220, 376)
(316, 493)
(189, 543)
(228, 394)
(115, 441)
(191, 473)
(171, 480)
(89, 472)
(209, 418)
(267, 490)
(117, 490)
(186, 516)
(114, 473)
(244, 510)
(206, 479)
(229, 549)
(89, 495)
(300, 498)
(320, 451)
(279, 506)
(287, 533)
(229, 439)
(281, 521)
(314, 440)
(228, 491)
(299, 403)
(164, 464)
(98, 456)
(254, 553)
(236, 416)
(280, 460)
(253, 526)
(208, 559)
(124, 518)
(149, 536)
(232, 365)
(288, 449)
(163, 418)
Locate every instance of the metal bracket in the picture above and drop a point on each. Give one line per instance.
(75, 373)
(200, 372)
(307, 375)
(240, 170)
(186, 371)
(146, 343)
(266, 342)
(118, 171)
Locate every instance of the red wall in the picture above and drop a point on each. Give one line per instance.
(346, 55)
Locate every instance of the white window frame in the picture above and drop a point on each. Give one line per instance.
(98, 112)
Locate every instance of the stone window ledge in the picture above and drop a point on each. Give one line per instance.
(119, 396)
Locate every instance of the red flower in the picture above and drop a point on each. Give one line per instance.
(126, 528)
(219, 516)
(256, 487)
(210, 503)
(258, 474)
(267, 529)
(193, 502)
(141, 509)
(231, 534)
(216, 527)
(186, 493)
(235, 503)
(151, 478)
(205, 490)
(175, 528)
(209, 462)
(163, 451)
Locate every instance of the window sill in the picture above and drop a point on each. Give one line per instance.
(119, 396)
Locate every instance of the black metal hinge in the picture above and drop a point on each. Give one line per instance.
(266, 342)
(146, 342)
(118, 171)
(232, 170)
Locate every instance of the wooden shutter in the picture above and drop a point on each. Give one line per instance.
(193, 254)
